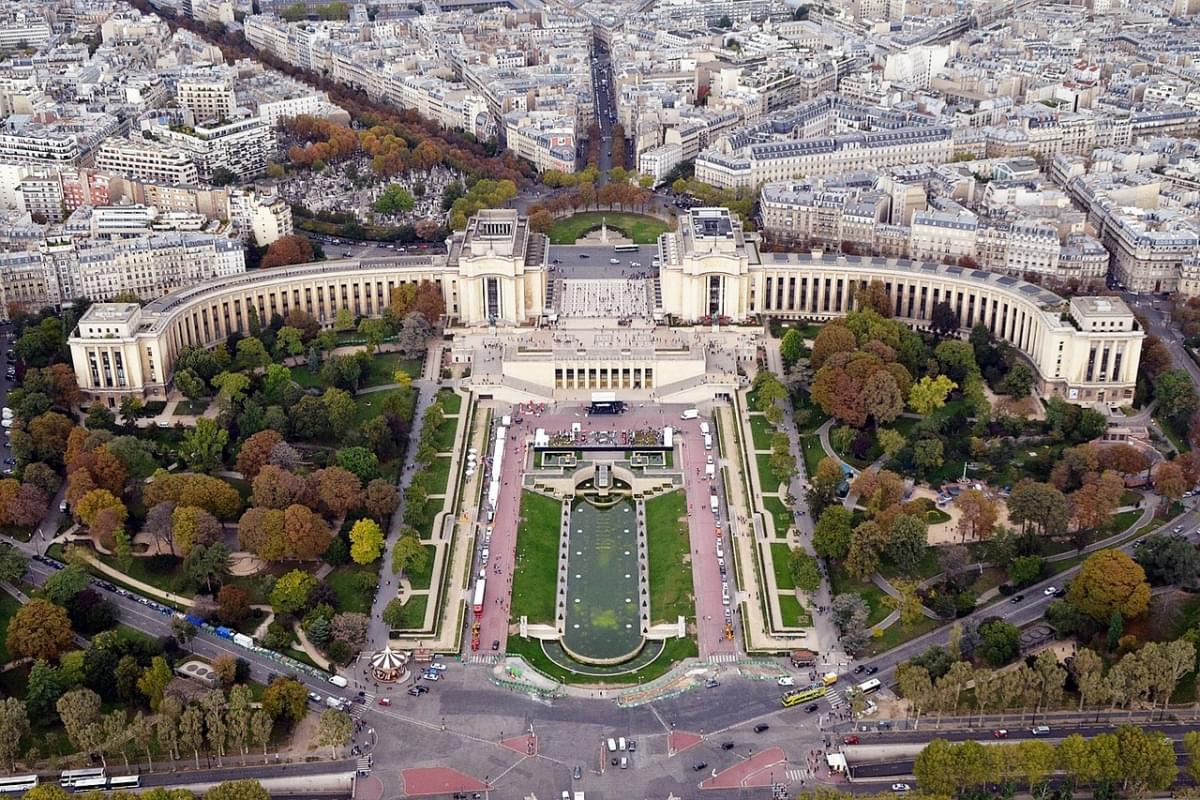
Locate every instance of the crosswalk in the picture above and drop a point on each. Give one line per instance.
(796, 775)
(723, 658)
(357, 710)
(364, 765)
(835, 698)
(482, 658)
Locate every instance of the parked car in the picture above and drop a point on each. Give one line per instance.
(726, 745)
(850, 740)
(761, 727)
(811, 707)
(1049, 591)
(1000, 733)
(1016, 598)
(901, 787)
(385, 701)
(699, 765)
(786, 681)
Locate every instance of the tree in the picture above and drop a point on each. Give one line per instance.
(256, 452)
(999, 641)
(409, 553)
(78, 709)
(154, 680)
(291, 592)
(929, 394)
(277, 488)
(62, 586)
(207, 565)
(825, 483)
(260, 728)
(1168, 560)
(308, 535)
(907, 541)
(928, 454)
(831, 536)
(1169, 480)
(366, 541)
(804, 570)
(833, 338)
(381, 499)
(191, 730)
(359, 460)
(193, 527)
(906, 601)
(338, 490)
(12, 564)
(233, 604)
(238, 790)
(203, 446)
(14, 724)
(1110, 581)
(335, 730)
(294, 249)
(1147, 760)
(1175, 394)
(42, 691)
(890, 441)
(285, 699)
(1038, 507)
(791, 347)
(99, 418)
(40, 630)
(1024, 570)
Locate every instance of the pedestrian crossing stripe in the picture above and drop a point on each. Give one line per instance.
(723, 658)
(364, 764)
(795, 775)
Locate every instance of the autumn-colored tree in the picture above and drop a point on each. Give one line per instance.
(261, 531)
(275, 487)
(256, 452)
(294, 249)
(48, 436)
(429, 302)
(1169, 480)
(833, 338)
(307, 533)
(979, 514)
(875, 297)
(1109, 582)
(40, 630)
(1123, 458)
(338, 490)
(929, 394)
(1096, 499)
(366, 541)
(233, 604)
(27, 508)
(92, 502)
(381, 498)
(190, 489)
(194, 527)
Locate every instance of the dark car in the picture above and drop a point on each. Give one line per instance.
(700, 765)
(762, 726)
(578, 773)
(726, 745)
(872, 670)
(859, 669)
(414, 692)
(1016, 598)
(615, 761)
(811, 707)
(495, 644)
(1060, 593)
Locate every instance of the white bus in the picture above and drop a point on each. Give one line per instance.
(71, 777)
(18, 784)
(869, 686)
(125, 782)
(625, 248)
(85, 784)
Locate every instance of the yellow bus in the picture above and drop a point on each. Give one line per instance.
(797, 696)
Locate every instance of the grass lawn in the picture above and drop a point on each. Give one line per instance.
(767, 478)
(899, 634)
(667, 554)
(989, 579)
(674, 651)
(840, 583)
(450, 402)
(439, 475)
(935, 516)
(193, 408)
(345, 583)
(813, 453)
(1121, 522)
(443, 439)
(780, 553)
(1130, 497)
(1177, 437)
(8, 607)
(927, 568)
(421, 578)
(762, 431)
(793, 612)
(369, 406)
(161, 572)
(536, 575)
(384, 365)
(780, 513)
(303, 377)
(641, 229)
(432, 507)
(413, 612)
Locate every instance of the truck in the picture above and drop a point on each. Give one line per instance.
(225, 633)
(335, 702)
(710, 470)
(713, 504)
(477, 604)
(242, 640)
(829, 678)
(691, 413)
(704, 428)
(339, 681)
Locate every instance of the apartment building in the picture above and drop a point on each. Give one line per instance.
(242, 146)
(146, 160)
(545, 139)
(207, 98)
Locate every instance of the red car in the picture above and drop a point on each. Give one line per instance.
(1000, 734)
(385, 701)
(850, 740)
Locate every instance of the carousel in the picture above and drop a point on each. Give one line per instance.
(389, 666)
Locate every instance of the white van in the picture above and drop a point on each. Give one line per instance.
(691, 413)
(612, 745)
(621, 743)
(708, 441)
(704, 428)
(339, 681)
(7, 413)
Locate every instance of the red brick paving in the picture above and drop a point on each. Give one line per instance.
(678, 741)
(368, 788)
(422, 781)
(525, 745)
(758, 770)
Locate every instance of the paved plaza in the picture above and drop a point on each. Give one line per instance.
(605, 299)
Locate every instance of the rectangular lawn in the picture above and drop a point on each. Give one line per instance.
(422, 578)
(793, 612)
(780, 553)
(450, 402)
(780, 513)
(439, 475)
(413, 615)
(535, 578)
(345, 583)
(667, 549)
(762, 431)
(384, 366)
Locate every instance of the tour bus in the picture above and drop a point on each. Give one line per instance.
(70, 778)
(125, 782)
(18, 784)
(625, 248)
(870, 686)
(87, 784)
(797, 696)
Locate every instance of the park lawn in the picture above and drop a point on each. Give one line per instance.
(638, 227)
(762, 431)
(432, 507)
(935, 516)
(384, 365)
(809, 416)
(193, 408)
(674, 651)
(443, 438)
(668, 562)
(350, 594)
(535, 577)
(1130, 497)
(813, 453)
(898, 634)
(990, 578)
(305, 378)
(840, 582)
(903, 425)
(8, 607)
(780, 513)
(1118, 523)
(438, 475)
(780, 553)
(1177, 437)
(369, 405)
(793, 612)
(451, 402)
(927, 568)
(767, 478)
(413, 612)
(423, 577)
(161, 572)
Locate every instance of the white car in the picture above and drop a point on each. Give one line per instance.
(483, 557)
(437, 667)
(786, 681)
(614, 261)
(901, 787)
(1049, 590)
